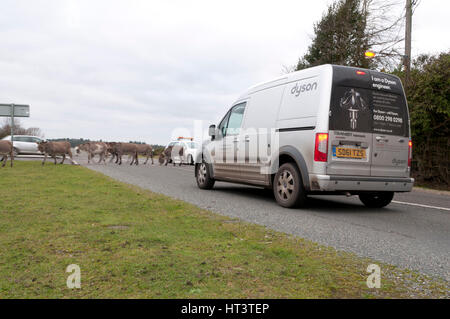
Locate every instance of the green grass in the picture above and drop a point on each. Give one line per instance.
(131, 243)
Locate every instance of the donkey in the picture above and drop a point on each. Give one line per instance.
(6, 148)
(94, 148)
(145, 150)
(170, 153)
(55, 148)
(126, 149)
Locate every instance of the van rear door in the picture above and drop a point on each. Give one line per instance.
(390, 127)
(368, 124)
(350, 123)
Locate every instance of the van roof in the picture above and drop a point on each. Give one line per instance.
(283, 79)
(296, 74)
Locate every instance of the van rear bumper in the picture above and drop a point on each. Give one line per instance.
(360, 183)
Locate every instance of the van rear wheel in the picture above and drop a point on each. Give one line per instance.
(287, 186)
(376, 200)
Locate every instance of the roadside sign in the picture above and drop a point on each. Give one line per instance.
(20, 110)
(14, 110)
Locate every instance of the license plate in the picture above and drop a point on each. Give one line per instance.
(349, 152)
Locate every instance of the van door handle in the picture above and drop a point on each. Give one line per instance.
(236, 140)
(381, 139)
(401, 140)
(247, 139)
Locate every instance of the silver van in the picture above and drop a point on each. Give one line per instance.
(323, 130)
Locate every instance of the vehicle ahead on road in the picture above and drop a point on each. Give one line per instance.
(191, 149)
(323, 130)
(25, 144)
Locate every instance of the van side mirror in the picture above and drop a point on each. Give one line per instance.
(212, 131)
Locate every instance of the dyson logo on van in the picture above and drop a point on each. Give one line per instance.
(297, 89)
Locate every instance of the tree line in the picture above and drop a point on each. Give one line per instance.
(5, 129)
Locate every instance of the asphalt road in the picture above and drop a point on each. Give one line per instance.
(404, 233)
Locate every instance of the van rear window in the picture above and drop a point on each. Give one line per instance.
(369, 111)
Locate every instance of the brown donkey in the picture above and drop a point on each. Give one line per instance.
(6, 148)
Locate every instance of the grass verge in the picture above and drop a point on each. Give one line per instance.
(131, 243)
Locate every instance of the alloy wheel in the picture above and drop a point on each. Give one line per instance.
(285, 185)
(201, 175)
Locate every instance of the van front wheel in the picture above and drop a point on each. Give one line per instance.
(287, 186)
(376, 200)
(204, 180)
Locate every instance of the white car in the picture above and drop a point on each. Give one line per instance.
(190, 150)
(25, 144)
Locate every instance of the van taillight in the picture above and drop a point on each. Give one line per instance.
(409, 153)
(321, 147)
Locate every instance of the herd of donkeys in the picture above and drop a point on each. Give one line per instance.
(104, 149)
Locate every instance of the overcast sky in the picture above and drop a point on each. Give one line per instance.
(137, 70)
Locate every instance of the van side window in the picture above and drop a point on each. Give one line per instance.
(235, 120)
(223, 124)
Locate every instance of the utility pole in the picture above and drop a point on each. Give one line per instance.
(408, 28)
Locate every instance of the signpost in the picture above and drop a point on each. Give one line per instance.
(14, 110)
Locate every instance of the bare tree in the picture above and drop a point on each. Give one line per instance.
(286, 69)
(35, 131)
(350, 27)
(5, 129)
(385, 24)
